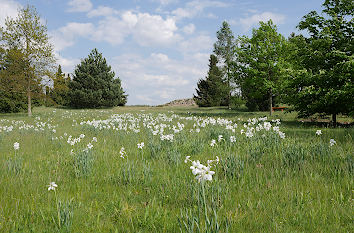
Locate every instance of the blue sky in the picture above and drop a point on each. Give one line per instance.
(158, 48)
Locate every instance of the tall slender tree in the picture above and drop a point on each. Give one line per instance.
(27, 34)
(224, 48)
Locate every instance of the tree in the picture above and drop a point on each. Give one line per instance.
(27, 34)
(321, 79)
(59, 93)
(211, 91)
(12, 96)
(261, 60)
(224, 48)
(93, 84)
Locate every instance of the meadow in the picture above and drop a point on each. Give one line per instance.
(144, 169)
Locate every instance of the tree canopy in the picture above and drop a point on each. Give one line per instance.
(321, 79)
(94, 85)
(28, 36)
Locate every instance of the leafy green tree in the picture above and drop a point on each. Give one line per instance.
(93, 84)
(224, 48)
(59, 93)
(261, 60)
(12, 94)
(212, 91)
(27, 34)
(321, 79)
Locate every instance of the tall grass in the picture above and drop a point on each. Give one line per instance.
(261, 184)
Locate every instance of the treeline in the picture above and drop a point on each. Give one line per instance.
(27, 67)
(313, 73)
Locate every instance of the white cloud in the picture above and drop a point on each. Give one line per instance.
(189, 29)
(158, 79)
(8, 8)
(146, 30)
(67, 64)
(196, 44)
(79, 5)
(154, 30)
(195, 8)
(66, 36)
(253, 20)
(101, 11)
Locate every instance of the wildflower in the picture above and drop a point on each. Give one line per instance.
(94, 139)
(332, 142)
(318, 132)
(220, 138)
(122, 152)
(281, 135)
(232, 139)
(82, 136)
(16, 146)
(187, 159)
(213, 143)
(140, 145)
(89, 146)
(52, 186)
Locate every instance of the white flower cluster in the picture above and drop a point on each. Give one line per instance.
(141, 145)
(122, 153)
(202, 172)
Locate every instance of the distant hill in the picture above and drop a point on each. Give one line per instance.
(182, 102)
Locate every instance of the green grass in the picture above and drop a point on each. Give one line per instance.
(262, 184)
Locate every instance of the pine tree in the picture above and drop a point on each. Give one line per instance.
(93, 84)
(211, 91)
(60, 90)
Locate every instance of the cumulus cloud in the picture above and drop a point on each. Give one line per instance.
(157, 78)
(101, 11)
(253, 20)
(196, 7)
(79, 5)
(146, 29)
(196, 44)
(189, 29)
(66, 36)
(154, 30)
(8, 8)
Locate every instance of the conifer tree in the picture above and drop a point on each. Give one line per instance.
(93, 84)
(59, 94)
(212, 91)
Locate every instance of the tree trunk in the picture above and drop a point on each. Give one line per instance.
(334, 119)
(270, 102)
(29, 103)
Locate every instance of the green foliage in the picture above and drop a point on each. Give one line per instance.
(224, 48)
(59, 93)
(93, 84)
(321, 78)
(261, 59)
(29, 36)
(211, 91)
(12, 97)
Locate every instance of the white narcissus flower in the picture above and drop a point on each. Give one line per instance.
(141, 145)
(52, 186)
(332, 142)
(16, 146)
(213, 142)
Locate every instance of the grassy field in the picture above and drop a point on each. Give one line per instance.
(266, 175)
